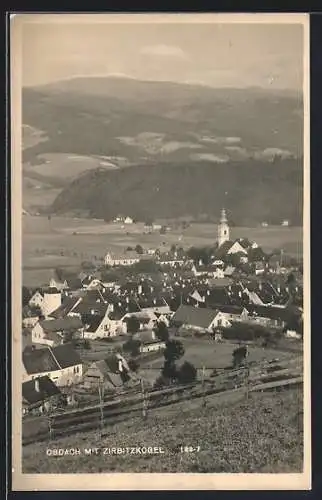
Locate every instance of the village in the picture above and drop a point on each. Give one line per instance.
(150, 319)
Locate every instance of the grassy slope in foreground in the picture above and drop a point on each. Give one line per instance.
(263, 434)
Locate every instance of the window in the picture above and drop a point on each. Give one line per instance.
(219, 323)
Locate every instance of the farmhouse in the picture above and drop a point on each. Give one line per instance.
(209, 271)
(61, 364)
(197, 318)
(126, 259)
(66, 308)
(36, 299)
(152, 346)
(52, 331)
(112, 372)
(39, 395)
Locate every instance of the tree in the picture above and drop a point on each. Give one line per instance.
(169, 371)
(86, 265)
(133, 365)
(26, 295)
(133, 325)
(174, 350)
(239, 356)
(132, 346)
(187, 373)
(139, 249)
(162, 331)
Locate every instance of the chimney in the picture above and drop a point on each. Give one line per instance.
(37, 388)
(200, 262)
(92, 311)
(120, 364)
(140, 289)
(127, 300)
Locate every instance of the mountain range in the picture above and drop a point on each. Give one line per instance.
(153, 134)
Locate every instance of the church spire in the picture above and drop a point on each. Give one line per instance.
(223, 228)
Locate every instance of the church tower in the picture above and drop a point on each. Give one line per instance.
(223, 228)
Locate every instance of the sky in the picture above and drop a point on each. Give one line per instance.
(212, 54)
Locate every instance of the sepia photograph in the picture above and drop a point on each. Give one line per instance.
(160, 251)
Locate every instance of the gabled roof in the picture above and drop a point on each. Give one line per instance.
(39, 361)
(66, 355)
(47, 389)
(66, 307)
(74, 282)
(194, 316)
(229, 309)
(61, 325)
(92, 322)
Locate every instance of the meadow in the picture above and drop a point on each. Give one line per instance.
(67, 241)
(263, 434)
(207, 355)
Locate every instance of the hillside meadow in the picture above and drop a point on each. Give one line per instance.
(67, 241)
(263, 434)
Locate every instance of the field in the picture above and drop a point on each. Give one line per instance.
(263, 434)
(66, 241)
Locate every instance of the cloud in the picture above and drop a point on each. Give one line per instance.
(164, 51)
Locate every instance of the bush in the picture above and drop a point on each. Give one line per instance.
(133, 365)
(162, 331)
(239, 356)
(174, 350)
(187, 373)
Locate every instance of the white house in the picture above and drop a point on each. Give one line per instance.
(127, 259)
(201, 319)
(128, 220)
(36, 300)
(61, 364)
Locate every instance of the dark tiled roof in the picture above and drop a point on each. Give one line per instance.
(66, 355)
(47, 389)
(65, 308)
(229, 309)
(61, 325)
(195, 316)
(92, 322)
(39, 361)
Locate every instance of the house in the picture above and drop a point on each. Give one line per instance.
(209, 271)
(73, 282)
(90, 283)
(153, 305)
(197, 318)
(229, 271)
(52, 300)
(128, 220)
(30, 317)
(126, 259)
(232, 312)
(58, 284)
(52, 332)
(152, 346)
(61, 364)
(96, 325)
(285, 223)
(40, 395)
(146, 321)
(66, 308)
(112, 372)
(270, 316)
(36, 299)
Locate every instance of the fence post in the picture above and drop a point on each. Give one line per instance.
(144, 402)
(101, 396)
(247, 382)
(204, 402)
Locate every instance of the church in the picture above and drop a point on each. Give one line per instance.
(226, 246)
